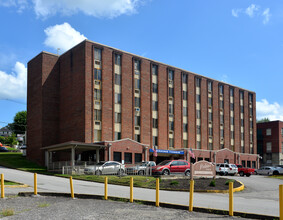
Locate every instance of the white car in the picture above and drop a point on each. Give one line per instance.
(109, 167)
(226, 169)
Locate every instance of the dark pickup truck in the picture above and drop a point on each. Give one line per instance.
(244, 171)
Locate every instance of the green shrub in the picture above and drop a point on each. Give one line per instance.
(212, 183)
(174, 182)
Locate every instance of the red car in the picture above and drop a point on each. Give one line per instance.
(167, 167)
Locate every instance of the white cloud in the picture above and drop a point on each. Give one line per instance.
(20, 4)
(251, 10)
(266, 15)
(14, 85)
(62, 36)
(96, 8)
(265, 109)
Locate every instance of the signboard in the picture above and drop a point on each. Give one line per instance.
(203, 169)
(167, 151)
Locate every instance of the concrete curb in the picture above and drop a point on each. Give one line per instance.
(238, 189)
(152, 203)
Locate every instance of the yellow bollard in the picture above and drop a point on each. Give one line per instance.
(281, 202)
(231, 203)
(192, 186)
(157, 192)
(105, 188)
(72, 187)
(35, 184)
(131, 189)
(2, 186)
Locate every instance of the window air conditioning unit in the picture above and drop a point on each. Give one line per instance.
(96, 82)
(171, 132)
(97, 122)
(97, 102)
(97, 62)
(137, 91)
(137, 109)
(170, 82)
(137, 128)
(171, 98)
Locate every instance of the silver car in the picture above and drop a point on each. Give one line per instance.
(266, 170)
(140, 168)
(109, 167)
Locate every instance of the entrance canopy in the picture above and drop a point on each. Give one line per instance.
(71, 147)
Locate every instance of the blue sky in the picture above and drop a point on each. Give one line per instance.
(236, 41)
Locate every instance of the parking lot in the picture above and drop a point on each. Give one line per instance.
(65, 208)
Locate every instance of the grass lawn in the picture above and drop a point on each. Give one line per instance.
(9, 183)
(139, 181)
(277, 177)
(17, 161)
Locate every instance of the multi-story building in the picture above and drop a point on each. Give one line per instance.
(270, 142)
(95, 102)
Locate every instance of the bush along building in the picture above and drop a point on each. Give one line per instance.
(95, 103)
(270, 142)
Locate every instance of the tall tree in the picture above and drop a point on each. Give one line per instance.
(263, 120)
(20, 123)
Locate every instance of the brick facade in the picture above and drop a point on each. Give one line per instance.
(61, 104)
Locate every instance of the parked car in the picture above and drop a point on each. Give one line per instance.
(3, 149)
(244, 171)
(277, 171)
(226, 169)
(109, 167)
(266, 170)
(140, 168)
(167, 167)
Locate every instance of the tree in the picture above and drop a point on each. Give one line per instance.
(263, 120)
(20, 123)
(11, 140)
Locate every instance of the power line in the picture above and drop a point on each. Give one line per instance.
(15, 101)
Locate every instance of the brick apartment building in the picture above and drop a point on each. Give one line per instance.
(95, 102)
(270, 142)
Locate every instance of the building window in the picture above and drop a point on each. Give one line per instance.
(198, 113)
(198, 82)
(268, 147)
(198, 129)
(137, 84)
(209, 101)
(137, 120)
(97, 54)
(185, 95)
(282, 132)
(209, 116)
(171, 75)
(117, 117)
(171, 92)
(154, 140)
(137, 66)
(97, 74)
(171, 142)
(232, 106)
(243, 163)
(249, 164)
(185, 127)
(282, 147)
(221, 102)
(197, 98)
(241, 95)
(117, 79)
(242, 122)
(242, 109)
(185, 78)
(210, 146)
(210, 131)
(171, 109)
(221, 119)
(222, 133)
(185, 143)
(118, 59)
(209, 86)
(198, 145)
(117, 135)
(137, 138)
(185, 111)
(155, 123)
(154, 105)
(221, 89)
(268, 131)
(138, 158)
(117, 98)
(154, 88)
(253, 164)
(137, 102)
(231, 91)
(97, 114)
(117, 156)
(171, 125)
(154, 70)
(232, 120)
(128, 158)
(232, 134)
(250, 98)
(97, 94)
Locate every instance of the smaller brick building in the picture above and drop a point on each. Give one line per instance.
(270, 142)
